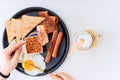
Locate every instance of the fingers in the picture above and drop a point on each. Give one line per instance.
(64, 76)
(53, 77)
(12, 48)
(17, 54)
(60, 76)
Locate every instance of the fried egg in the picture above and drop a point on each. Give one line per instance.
(23, 53)
(33, 64)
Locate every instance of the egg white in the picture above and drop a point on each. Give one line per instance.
(23, 54)
(38, 61)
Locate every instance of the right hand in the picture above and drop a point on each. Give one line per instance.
(10, 57)
(60, 76)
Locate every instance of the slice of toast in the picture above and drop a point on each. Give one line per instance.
(17, 24)
(11, 31)
(30, 22)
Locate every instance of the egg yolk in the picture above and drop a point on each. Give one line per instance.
(28, 65)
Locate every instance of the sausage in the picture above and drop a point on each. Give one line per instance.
(51, 46)
(57, 44)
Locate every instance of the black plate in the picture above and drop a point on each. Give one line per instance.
(63, 50)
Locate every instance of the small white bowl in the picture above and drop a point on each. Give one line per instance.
(88, 40)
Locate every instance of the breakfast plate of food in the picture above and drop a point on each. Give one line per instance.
(46, 36)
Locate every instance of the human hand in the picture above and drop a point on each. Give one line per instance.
(60, 76)
(10, 57)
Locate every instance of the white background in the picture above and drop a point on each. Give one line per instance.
(102, 16)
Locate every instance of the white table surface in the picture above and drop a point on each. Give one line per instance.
(102, 16)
